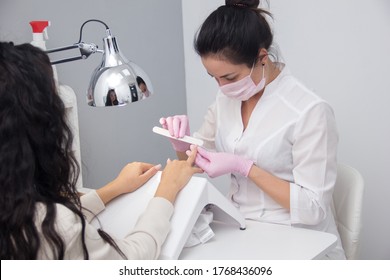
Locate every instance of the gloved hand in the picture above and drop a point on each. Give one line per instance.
(217, 164)
(178, 126)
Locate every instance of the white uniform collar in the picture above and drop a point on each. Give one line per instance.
(270, 88)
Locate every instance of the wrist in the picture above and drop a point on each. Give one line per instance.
(245, 167)
(167, 192)
(109, 191)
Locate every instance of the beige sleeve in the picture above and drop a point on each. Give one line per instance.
(92, 205)
(151, 229)
(143, 242)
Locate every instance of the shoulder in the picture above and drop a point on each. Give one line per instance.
(297, 95)
(63, 216)
(67, 224)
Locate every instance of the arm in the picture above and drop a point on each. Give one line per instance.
(217, 164)
(314, 156)
(314, 165)
(152, 227)
(132, 176)
(275, 187)
(314, 160)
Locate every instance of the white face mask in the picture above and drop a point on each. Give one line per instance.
(244, 88)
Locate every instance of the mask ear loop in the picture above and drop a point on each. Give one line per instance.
(253, 67)
(263, 70)
(263, 64)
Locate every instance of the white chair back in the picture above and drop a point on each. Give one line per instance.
(348, 201)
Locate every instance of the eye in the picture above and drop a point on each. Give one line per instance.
(230, 79)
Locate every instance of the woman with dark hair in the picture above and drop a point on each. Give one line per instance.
(276, 138)
(41, 213)
(142, 86)
(111, 98)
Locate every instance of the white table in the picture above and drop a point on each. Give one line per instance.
(261, 241)
(257, 241)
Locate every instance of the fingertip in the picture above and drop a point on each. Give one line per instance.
(200, 170)
(157, 167)
(162, 120)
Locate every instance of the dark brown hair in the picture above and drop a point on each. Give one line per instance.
(236, 32)
(37, 165)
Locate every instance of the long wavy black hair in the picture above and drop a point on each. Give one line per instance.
(36, 162)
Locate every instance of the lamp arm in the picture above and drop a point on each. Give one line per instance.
(86, 49)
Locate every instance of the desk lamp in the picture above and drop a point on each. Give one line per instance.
(116, 77)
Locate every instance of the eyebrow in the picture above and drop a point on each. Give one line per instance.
(224, 76)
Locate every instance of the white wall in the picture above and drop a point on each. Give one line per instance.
(340, 49)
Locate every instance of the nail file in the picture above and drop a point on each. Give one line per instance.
(187, 139)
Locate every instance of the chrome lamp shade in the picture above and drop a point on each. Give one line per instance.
(117, 81)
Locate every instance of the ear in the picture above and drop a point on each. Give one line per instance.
(263, 56)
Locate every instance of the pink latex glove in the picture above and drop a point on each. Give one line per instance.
(217, 164)
(178, 126)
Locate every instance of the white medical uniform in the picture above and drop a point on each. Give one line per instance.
(291, 134)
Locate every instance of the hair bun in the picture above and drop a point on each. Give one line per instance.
(243, 3)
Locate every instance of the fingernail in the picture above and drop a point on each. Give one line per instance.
(158, 166)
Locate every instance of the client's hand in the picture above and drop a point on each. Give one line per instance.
(176, 175)
(178, 126)
(134, 175)
(131, 177)
(217, 164)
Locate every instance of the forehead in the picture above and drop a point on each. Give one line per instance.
(218, 67)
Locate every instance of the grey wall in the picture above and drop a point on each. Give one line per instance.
(149, 32)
